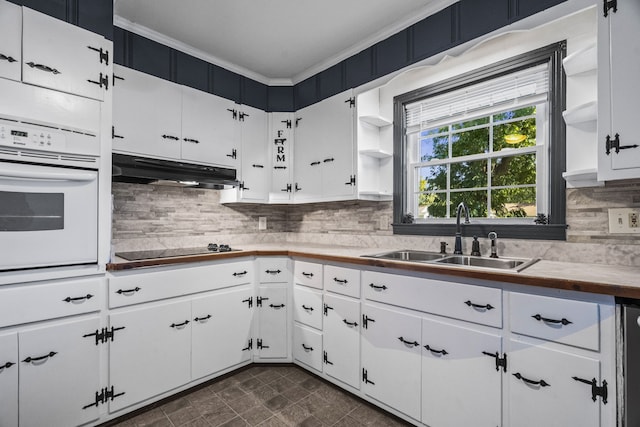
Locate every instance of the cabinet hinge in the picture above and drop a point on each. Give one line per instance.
(234, 113)
(249, 301)
(288, 123)
(242, 115)
(103, 335)
(234, 154)
(326, 309)
(596, 390)
(325, 358)
(614, 144)
(103, 54)
(103, 80)
(113, 133)
(501, 362)
(259, 301)
(365, 321)
(608, 5)
(351, 101)
(298, 121)
(114, 78)
(259, 344)
(352, 180)
(249, 345)
(365, 377)
(243, 187)
(103, 396)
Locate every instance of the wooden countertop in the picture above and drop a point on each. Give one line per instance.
(617, 281)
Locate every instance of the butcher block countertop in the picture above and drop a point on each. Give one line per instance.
(617, 281)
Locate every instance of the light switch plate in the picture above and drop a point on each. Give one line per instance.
(624, 220)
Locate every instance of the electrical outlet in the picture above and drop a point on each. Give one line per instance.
(624, 220)
(262, 223)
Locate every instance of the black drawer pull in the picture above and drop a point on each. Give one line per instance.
(307, 274)
(342, 282)
(200, 319)
(307, 308)
(43, 68)
(563, 321)
(314, 163)
(195, 141)
(175, 138)
(541, 383)
(36, 359)
(331, 159)
(179, 325)
(479, 306)
(7, 58)
(276, 306)
(6, 366)
(127, 291)
(242, 273)
(351, 324)
(258, 166)
(412, 343)
(442, 352)
(377, 287)
(307, 348)
(86, 297)
(273, 271)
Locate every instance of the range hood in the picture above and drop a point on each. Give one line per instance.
(143, 170)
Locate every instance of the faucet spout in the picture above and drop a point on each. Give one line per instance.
(458, 243)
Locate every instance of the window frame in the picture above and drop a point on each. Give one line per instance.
(555, 229)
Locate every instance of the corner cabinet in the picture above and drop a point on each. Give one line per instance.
(618, 90)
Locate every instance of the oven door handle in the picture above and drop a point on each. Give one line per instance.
(48, 176)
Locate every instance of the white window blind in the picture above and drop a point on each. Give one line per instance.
(525, 86)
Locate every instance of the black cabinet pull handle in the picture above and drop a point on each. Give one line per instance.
(276, 306)
(179, 325)
(86, 297)
(6, 366)
(442, 352)
(331, 159)
(42, 67)
(413, 343)
(307, 274)
(241, 273)
(307, 348)
(273, 271)
(351, 324)
(127, 291)
(199, 319)
(36, 359)
(195, 141)
(563, 321)
(541, 383)
(307, 308)
(9, 59)
(258, 166)
(314, 163)
(174, 138)
(378, 287)
(479, 306)
(279, 167)
(342, 282)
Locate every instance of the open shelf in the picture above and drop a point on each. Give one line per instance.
(379, 154)
(583, 178)
(581, 114)
(581, 61)
(377, 121)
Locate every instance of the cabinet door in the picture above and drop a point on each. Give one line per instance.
(210, 128)
(273, 322)
(342, 339)
(255, 163)
(52, 359)
(152, 354)
(221, 331)
(64, 57)
(460, 384)
(146, 115)
(542, 377)
(10, 41)
(391, 361)
(307, 154)
(281, 165)
(9, 380)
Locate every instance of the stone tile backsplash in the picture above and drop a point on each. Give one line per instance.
(149, 216)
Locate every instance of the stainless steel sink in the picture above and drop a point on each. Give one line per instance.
(408, 255)
(512, 264)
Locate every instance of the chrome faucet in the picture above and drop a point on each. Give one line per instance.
(459, 209)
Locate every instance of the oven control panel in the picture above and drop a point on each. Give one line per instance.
(34, 138)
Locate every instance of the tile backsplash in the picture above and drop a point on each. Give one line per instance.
(149, 216)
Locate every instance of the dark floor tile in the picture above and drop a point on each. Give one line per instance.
(264, 393)
(162, 422)
(273, 422)
(211, 405)
(313, 403)
(145, 419)
(231, 393)
(311, 384)
(223, 384)
(256, 415)
(281, 384)
(348, 422)
(235, 422)
(174, 405)
(295, 393)
(269, 375)
(198, 422)
(298, 375)
(183, 415)
(251, 384)
(202, 394)
(244, 403)
(293, 414)
(312, 422)
(277, 403)
(219, 416)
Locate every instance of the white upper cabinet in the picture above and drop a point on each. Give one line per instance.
(64, 57)
(254, 172)
(146, 115)
(10, 40)
(618, 92)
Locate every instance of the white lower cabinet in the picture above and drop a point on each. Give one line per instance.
(461, 380)
(342, 339)
(273, 322)
(152, 353)
(307, 346)
(391, 358)
(52, 360)
(221, 330)
(9, 380)
(552, 387)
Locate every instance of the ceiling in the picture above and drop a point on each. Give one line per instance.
(272, 40)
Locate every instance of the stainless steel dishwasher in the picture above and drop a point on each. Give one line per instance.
(631, 360)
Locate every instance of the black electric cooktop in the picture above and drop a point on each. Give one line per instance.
(176, 252)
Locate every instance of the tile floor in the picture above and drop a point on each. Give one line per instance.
(266, 396)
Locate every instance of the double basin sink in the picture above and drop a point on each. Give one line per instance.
(505, 264)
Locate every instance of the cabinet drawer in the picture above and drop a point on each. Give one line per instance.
(345, 281)
(478, 304)
(274, 270)
(32, 302)
(307, 305)
(143, 286)
(308, 274)
(307, 347)
(565, 321)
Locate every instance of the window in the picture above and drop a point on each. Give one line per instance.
(493, 139)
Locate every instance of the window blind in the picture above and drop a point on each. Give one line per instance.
(528, 85)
